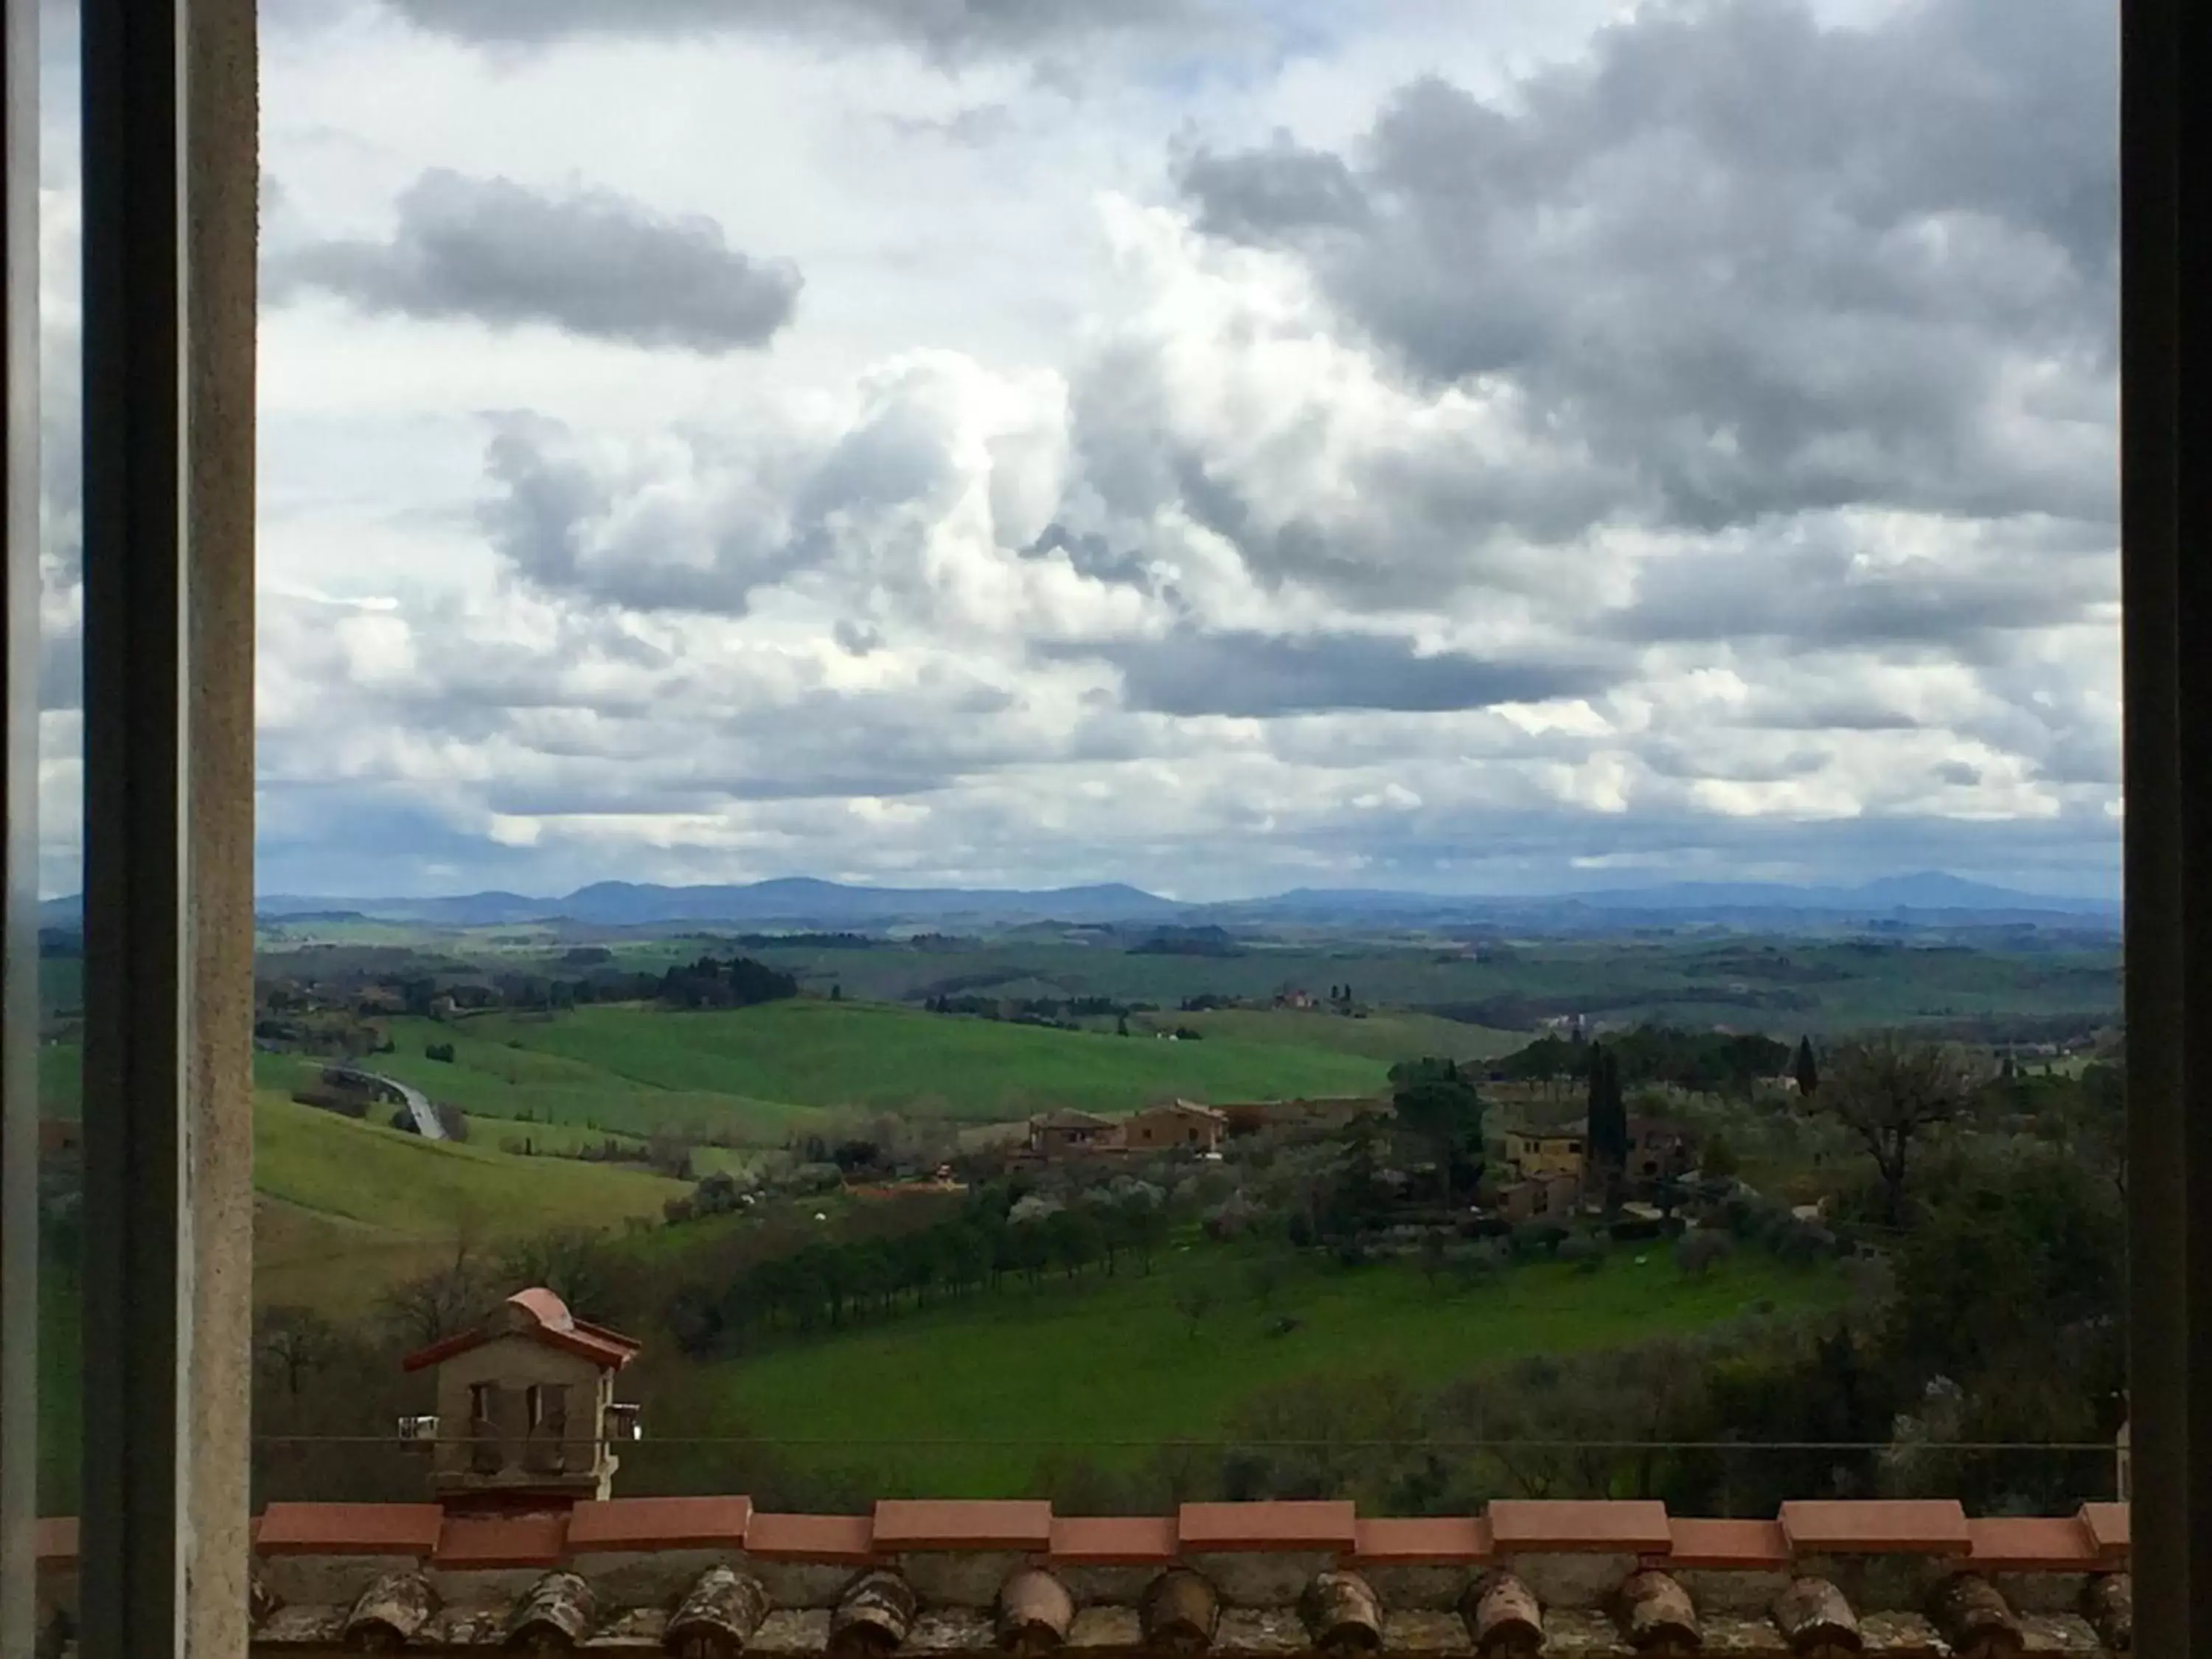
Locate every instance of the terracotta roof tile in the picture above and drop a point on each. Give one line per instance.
(1448, 1540)
(1110, 1541)
(2108, 1524)
(1272, 1526)
(1743, 1545)
(543, 1306)
(950, 1524)
(551, 1323)
(57, 1541)
(839, 1538)
(1889, 1526)
(504, 1541)
(350, 1528)
(659, 1523)
(1637, 1526)
(2031, 1544)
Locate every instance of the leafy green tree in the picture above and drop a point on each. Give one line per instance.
(1892, 1093)
(1441, 1106)
(1809, 1069)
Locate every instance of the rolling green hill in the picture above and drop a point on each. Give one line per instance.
(965, 1400)
(761, 1071)
(401, 1183)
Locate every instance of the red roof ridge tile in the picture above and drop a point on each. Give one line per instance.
(841, 1538)
(1744, 1546)
(2031, 1544)
(1277, 1524)
(1427, 1540)
(56, 1541)
(910, 1523)
(2094, 1540)
(503, 1540)
(350, 1529)
(1595, 1525)
(625, 1524)
(1876, 1525)
(2107, 1526)
(1102, 1540)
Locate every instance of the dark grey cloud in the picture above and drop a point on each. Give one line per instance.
(588, 261)
(1094, 555)
(1255, 194)
(1960, 773)
(1258, 676)
(857, 639)
(1809, 594)
(1748, 264)
(947, 27)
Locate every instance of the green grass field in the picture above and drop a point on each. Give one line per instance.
(60, 1407)
(1388, 1037)
(61, 1081)
(1110, 1369)
(759, 1073)
(401, 1183)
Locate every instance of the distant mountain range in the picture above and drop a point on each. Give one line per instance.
(792, 900)
(1929, 898)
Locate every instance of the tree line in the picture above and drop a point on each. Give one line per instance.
(996, 1240)
(1703, 1062)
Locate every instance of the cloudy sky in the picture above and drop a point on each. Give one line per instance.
(1222, 445)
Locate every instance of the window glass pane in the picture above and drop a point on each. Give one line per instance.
(1199, 750)
(61, 688)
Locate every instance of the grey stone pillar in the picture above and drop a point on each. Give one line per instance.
(223, 186)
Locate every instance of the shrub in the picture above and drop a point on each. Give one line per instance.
(1535, 1239)
(439, 1051)
(1697, 1253)
(1802, 1243)
(1586, 1252)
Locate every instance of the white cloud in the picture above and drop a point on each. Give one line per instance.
(1051, 537)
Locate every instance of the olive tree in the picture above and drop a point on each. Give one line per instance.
(1891, 1091)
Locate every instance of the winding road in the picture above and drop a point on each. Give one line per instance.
(427, 1123)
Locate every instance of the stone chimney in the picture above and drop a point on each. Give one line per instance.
(526, 1414)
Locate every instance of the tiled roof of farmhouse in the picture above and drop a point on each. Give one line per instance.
(1601, 1580)
(1196, 1110)
(1069, 1118)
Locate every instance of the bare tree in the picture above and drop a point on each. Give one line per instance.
(445, 1302)
(1890, 1091)
(295, 1344)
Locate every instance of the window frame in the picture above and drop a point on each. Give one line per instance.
(20, 657)
(141, 1246)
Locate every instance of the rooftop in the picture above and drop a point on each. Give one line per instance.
(1575, 1580)
(539, 1315)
